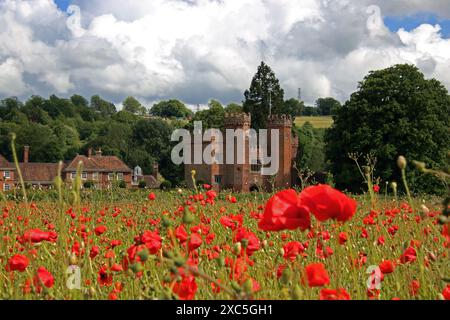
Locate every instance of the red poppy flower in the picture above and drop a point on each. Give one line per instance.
(195, 241)
(95, 250)
(100, 230)
(292, 250)
(376, 188)
(414, 287)
(18, 262)
(152, 241)
(151, 196)
(249, 238)
(44, 277)
(409, 255)
(326, 203)
(330, 294)
(387, 266)
(37, 235)
(343, 237)
(104, 279)
(284, 212)
(317, 275)
(446, 292)
(186, 288)
(181, 233)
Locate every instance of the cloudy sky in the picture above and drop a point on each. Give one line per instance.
(195, 50)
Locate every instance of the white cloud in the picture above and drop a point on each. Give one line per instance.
(197, 50)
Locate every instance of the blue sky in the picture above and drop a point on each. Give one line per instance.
(411, 22)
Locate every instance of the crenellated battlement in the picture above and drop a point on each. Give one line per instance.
(279, 120)
(237, 119)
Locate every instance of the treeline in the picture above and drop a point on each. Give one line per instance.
(57, 129)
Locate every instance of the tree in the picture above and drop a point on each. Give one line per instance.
(44, 144)
(133, 106)
(170, 109)
(292, 107)
(234, 108)
(264, 93)
(103, 107)
(327, 106)
(311, 153)
(213, 117)
(394, 112)
(310, 111)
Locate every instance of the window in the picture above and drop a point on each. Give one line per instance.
(95, 176)
(73, 175)
(110, 176)
(6, 187)
(84, 176)
(217, 179)
(7, 175)
(120, 176)
(256, 167)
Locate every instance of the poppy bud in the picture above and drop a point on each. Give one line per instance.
(166, 223)
(419, 165)
(179, 261)
(401, 162)
(248, 286)
(221, 261)
(143, 254)
(187, 218)
(174, 270)
(168, 254)
(244, 243)
(281, 252)
(136, 267)
(236, 287)
(296, 293)
(285, 276)
(237, 248)
(92, 291)
(394, 186)
(73, 260)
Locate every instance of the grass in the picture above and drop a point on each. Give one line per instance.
(319, 122)
(127, 214)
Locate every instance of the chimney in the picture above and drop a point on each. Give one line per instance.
(98, 153)
(26, 153)
(155, 170)
(89, 153)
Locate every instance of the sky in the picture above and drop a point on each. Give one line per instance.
(197, 50)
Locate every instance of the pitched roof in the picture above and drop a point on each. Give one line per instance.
(5, 163)
(39, 172)
(98, 163)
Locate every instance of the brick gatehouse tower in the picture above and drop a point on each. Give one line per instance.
(247, 177)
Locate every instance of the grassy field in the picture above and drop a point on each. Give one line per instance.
(319, 122)
(201, 245)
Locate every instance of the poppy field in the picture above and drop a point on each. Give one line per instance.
(201, 244)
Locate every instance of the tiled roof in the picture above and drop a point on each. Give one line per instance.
(5, 163)
(39, 172)
(98, 163)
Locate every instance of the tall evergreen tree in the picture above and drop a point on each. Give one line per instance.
(265, 93)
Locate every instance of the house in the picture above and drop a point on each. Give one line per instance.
(151, 181)
(247, 177)
(7, 174)
(101, 170)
